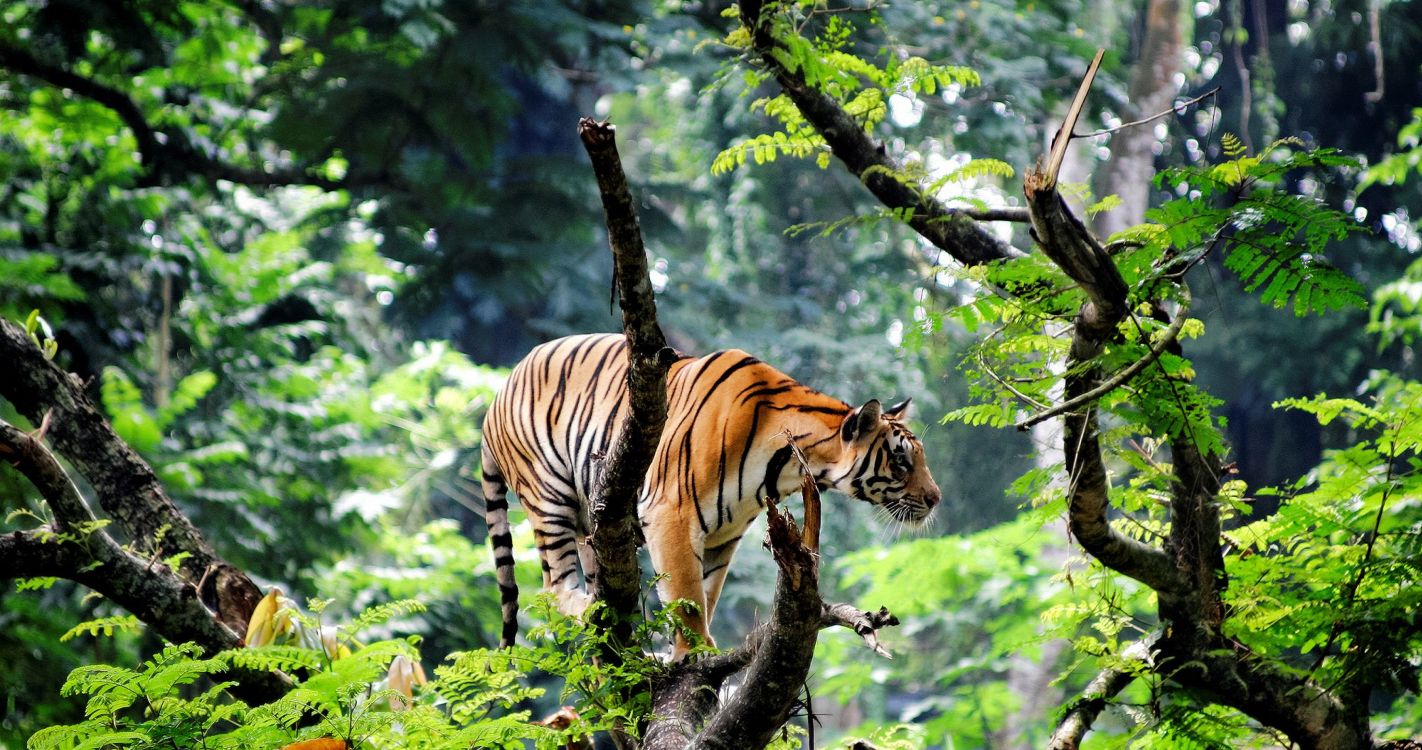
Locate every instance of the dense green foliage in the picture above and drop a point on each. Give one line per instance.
(293, 280)
(367, 694)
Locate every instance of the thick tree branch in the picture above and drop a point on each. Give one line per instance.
(686, 696)
(1188, 575)
(166, 154)
(954, 232)
(148, 588)
(777, 654)
(127, 489)
(1068, 243)
(616, 531)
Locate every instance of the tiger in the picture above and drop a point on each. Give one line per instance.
(732, 428)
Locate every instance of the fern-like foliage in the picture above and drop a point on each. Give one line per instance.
(1332, 574)
(106, 626)
(366, 694)
(1273, 240)
(381, 614)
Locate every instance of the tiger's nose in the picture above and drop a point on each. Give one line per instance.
(933, 498)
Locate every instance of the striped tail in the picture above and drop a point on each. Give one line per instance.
(496, 515)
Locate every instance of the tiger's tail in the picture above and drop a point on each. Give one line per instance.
(496, 515)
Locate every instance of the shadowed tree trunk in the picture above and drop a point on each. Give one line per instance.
(1152, 89)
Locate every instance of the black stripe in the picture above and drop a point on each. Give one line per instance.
(713, 551)
(773, 468)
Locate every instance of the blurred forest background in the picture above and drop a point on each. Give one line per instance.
(294, 246)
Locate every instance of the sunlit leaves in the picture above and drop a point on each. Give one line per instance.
(1397, 308)
(105, 626)
(1403, 164)
(130, 417)
(1332, 573)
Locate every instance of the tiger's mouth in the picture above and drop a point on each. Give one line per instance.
(909, 510)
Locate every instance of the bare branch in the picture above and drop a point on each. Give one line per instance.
(1048, 175)
(1176, 109)
(866, 624)
(616, 531)
(687, 696)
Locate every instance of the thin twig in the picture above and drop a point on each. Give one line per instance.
(982, 363)
(1174, 109)
(1116, 380)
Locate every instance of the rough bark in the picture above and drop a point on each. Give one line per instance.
(777, 673)
(1066, 242)
(616, 531)
(73, 549)
(127, 489)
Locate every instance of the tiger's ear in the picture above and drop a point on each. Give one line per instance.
(900, 410)
(861, 421)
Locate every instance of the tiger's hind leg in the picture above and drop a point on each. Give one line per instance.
(715, 563)
(555, 529)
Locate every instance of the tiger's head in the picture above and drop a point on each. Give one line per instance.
(881, 462)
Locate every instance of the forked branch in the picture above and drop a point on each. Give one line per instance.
(75, 548)
(126, 487)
